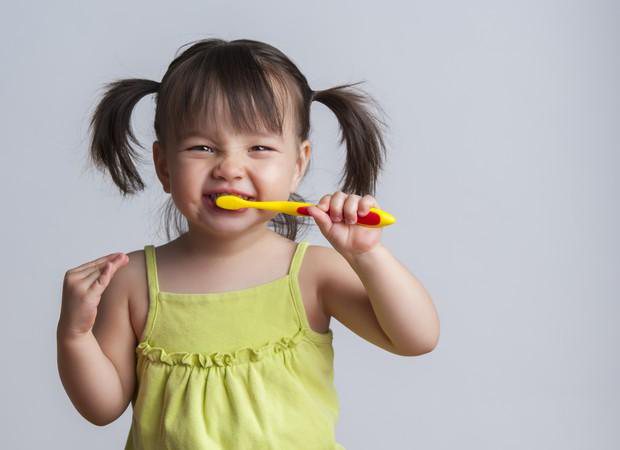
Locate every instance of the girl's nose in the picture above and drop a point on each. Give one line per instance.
(229, 167)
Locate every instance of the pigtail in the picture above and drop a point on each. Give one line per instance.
(111, 131)
(361, 131)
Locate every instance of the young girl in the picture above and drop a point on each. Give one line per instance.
(220, 338)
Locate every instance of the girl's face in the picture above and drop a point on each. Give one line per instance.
(266, 167)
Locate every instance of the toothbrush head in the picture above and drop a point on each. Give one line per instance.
(231, 202)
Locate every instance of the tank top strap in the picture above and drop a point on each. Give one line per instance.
(153, 286)
(298, 256)
(298, 304)
(151, 270)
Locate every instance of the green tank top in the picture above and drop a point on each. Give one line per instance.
(233, 370)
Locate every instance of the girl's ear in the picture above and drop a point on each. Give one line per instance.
(303, 157)
(161, 166)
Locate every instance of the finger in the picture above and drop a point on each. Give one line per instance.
(324, 202)
(335, 206)
(94, 275)
(100, 278)
(350, 208)
(321, 218)
(96, 262)
(117, 260)
(367, 202)
(98, 284)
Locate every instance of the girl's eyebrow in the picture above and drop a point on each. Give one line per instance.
(197, 133)
(201, 133)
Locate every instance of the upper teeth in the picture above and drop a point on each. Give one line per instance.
(214, 196)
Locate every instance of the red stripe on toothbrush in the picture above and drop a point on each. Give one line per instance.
(371, 218)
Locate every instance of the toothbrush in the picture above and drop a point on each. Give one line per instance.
(374, 219)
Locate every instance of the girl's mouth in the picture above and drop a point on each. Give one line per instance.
(210, 203)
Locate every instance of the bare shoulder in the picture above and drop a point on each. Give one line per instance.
(135, 269)
(325, 268)
(137, 290)
(329, 270)
(309, 275)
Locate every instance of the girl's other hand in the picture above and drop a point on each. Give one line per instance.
(339, 226)
(81, 293)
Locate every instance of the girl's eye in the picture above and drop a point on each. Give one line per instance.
(199, 146)
(262, 146)
(256, 146)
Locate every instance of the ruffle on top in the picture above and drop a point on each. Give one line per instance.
(239, 356)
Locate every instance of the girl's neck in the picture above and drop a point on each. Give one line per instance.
(197, 244)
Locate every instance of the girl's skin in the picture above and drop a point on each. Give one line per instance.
(358, 281)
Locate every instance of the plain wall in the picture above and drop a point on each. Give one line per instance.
(502, 172)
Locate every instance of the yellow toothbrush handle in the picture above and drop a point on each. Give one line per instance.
(374, 219)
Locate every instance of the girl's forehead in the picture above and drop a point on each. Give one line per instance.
(225, 133)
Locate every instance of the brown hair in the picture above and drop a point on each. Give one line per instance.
(256, 82)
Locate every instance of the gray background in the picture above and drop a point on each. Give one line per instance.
(503, 148)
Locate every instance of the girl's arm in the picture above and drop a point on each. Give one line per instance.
(363, 285)
(97, 368)
(89, 378)
(402, 305)
(374, 294)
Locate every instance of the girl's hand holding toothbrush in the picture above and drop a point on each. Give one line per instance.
(339, 226)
